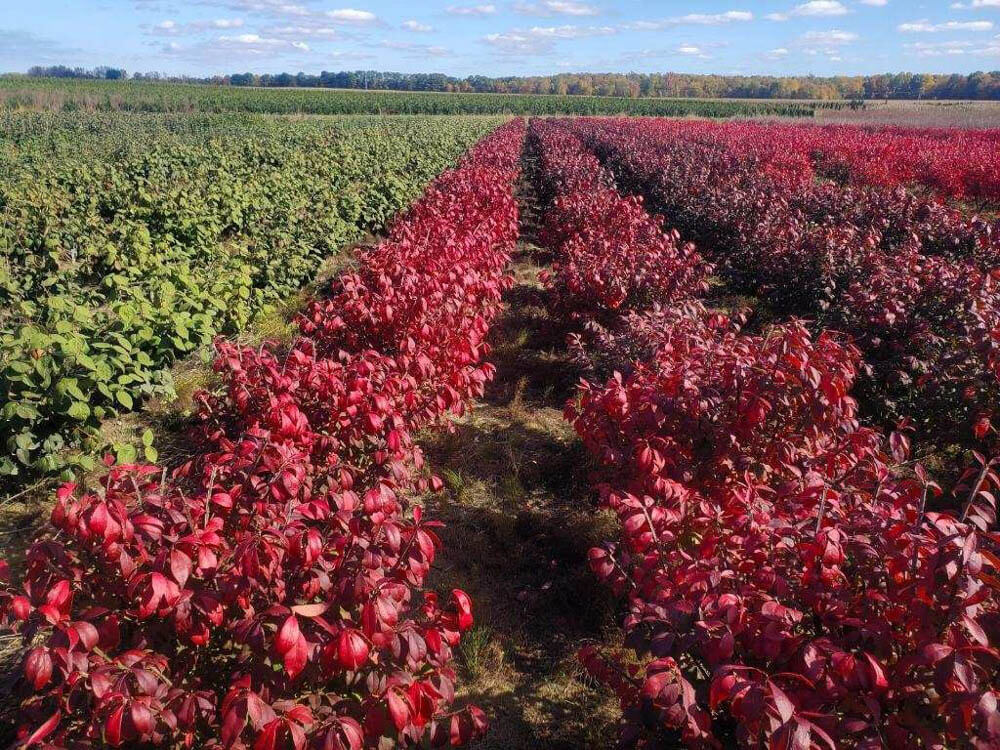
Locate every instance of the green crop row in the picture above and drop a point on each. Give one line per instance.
(139, 96)
(127, 241)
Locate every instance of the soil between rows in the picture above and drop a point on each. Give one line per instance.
(520, 518)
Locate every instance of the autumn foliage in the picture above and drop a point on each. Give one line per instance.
(611, 255)
(912, 280)
(269, 592)
(788, 580)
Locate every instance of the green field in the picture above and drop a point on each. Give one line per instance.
(67, 95)
(128, 240)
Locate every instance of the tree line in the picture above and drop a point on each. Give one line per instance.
(978, 85)
(101, 72)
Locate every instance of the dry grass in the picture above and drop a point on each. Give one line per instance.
(917, 114)
(519, 521)
(520, 518)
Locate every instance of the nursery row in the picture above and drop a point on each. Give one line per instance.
(913, 282)
(611, 255)
(269, 591)
(787, 584)
(950, 163)
(127, 242)
(953, 163)
(68, 95)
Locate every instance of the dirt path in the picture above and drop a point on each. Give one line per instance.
(520, 519)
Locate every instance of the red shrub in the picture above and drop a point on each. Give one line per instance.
(908, 278)
(785, 581)
(636, 337)
(611, 255)
(715, 404)
(787, 585)
(270, 590)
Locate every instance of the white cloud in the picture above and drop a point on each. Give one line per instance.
(257, 44)
(939, 49)
(471, 10)
(570, 32)
(249, 39)
(417, 26)
(351, 15)
(925, 26)
(778, 53)
(297, 31)
(875, 3)
(832, 37)
(540, 40)
(825, 42)
(172, 28)
(692, 19)
(954, 48)
(692, 50)
(278, 7)
(556, 7)
(820, 8)
(518, 43)
(976, 4)
(813, 8)
(417, 50)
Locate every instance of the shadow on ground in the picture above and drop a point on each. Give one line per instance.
(520, 519)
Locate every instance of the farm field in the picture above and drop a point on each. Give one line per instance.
(514, 433)
(132, 240)
(130, 96)
(925, 114)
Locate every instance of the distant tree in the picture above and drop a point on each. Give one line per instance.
(902, 85)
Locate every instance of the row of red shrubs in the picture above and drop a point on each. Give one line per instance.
(788, 584)
(269, 591)
(612, 255)
(913, 282)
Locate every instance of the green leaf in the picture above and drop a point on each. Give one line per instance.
(79, 410)
(125, 453)
(124, 399)
(147, 438)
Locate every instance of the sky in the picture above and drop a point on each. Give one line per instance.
(504, 37)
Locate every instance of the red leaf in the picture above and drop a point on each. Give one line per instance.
(399, 709)
(288, 635)
(113, 726)
(180, 566)
(43, 731)
(352, 649)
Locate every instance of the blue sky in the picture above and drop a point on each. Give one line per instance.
(504, 37)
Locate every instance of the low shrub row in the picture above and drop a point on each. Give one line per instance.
(611, 256)
(787, 583)
(269, 591)
(915, 284)
(68, 95)
(950, 163)
(117, 258)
